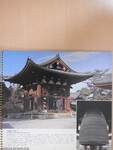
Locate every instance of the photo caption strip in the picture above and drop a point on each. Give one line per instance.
(1, 98)
(33, 139)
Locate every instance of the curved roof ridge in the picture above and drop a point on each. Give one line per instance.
(60, 71)
(22, 70)
(50, 60)
(30, 64)
(53, 59)
(107, 78)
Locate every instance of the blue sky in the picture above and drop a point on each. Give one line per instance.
(14, 61)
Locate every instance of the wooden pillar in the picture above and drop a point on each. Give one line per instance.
(67, 104)
(39, 90)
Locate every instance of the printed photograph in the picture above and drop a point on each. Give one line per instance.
(41, 88)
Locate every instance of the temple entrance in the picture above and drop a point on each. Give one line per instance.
(56, 103)
(48, 103)
(51, 103)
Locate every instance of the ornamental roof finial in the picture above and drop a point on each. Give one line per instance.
(58, 55)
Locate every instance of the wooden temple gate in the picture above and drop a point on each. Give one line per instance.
(47, 85)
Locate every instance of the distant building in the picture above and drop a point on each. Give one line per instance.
(104, 82)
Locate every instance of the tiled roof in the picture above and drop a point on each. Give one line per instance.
(104, 80)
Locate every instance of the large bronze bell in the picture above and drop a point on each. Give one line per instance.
(93, 129)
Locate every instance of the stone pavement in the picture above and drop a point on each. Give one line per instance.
(62, 123)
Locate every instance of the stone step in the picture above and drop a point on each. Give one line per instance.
(32, 115)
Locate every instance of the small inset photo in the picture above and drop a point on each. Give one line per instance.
(94, 129)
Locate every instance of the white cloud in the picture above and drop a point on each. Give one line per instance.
(69, 57)
(66, 56)
(45, 58)
(77, 56)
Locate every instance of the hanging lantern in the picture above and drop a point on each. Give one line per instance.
(58, 82)
(43, 81)
(65, 83)
(51, 81)
(64, 89)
